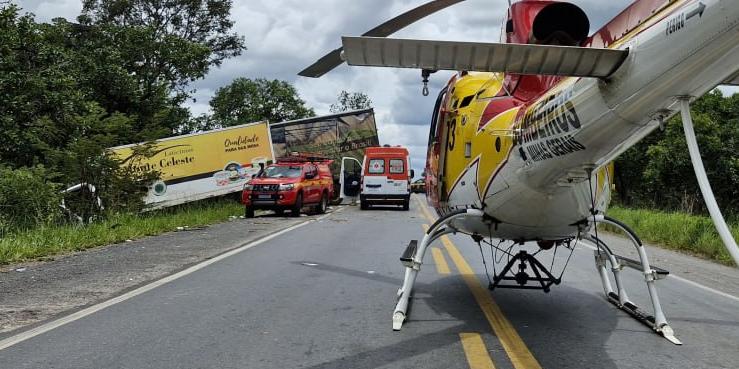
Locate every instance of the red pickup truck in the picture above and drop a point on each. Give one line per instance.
(290, 184)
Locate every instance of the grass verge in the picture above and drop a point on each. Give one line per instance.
(678, 231)
(47, 241)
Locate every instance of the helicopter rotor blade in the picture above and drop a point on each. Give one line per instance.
(483, 57)
(333, 59)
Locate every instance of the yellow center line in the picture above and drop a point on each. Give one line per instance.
(517, 351)
(441, 265)
(424, 210)
(475, 351)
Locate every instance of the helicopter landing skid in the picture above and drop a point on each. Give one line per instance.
(413, 258)
(618, 297)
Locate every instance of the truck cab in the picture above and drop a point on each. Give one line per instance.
(292, 183)
(386, 177)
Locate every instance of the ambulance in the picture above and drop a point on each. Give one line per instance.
(386, 177)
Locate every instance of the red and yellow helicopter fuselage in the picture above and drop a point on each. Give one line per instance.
(533, 151)
(523, 135)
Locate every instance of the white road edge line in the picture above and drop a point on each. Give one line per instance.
(13, 340)
(687, 281)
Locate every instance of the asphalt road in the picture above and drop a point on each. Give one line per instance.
(321, 296)
(45, 289)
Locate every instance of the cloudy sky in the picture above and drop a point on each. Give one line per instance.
(285, 36)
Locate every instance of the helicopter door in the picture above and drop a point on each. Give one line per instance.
(435, 153)
(438, 146)
(351, 174)
(448, 144)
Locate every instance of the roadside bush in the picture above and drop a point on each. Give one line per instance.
(694, 234)
(657, 173)
(48, 241)
(86, 160)
(28, 198)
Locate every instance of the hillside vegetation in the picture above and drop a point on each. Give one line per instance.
(692, 234)
(657, 172)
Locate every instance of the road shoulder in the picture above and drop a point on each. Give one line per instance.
(34, 292)
(704, 272)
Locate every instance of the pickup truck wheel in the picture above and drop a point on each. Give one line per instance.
(298, 205)
(323, 204)
(406, 204)
(248, 212)
(363, 205)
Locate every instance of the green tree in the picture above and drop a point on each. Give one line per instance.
(629, 172)
(87, 160)
(203, 122)
(39, 94)
(49, 83)
(157, 49)
(658, 173)
(178, 40)
(351, 101)
(246, 100)
(107, 57)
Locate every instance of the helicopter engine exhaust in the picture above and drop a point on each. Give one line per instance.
(562, 24)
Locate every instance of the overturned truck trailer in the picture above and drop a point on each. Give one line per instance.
(340, 137)
(201, 165)
(221, 161)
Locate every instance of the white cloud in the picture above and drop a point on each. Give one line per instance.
(285, 36)
(45, 10)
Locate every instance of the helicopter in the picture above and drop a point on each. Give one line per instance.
(524, 134)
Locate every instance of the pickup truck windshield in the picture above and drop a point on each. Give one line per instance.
(282, 172)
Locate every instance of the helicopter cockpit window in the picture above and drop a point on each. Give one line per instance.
(466, 101)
